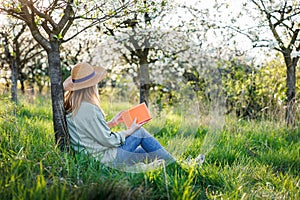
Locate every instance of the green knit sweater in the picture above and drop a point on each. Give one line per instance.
(89, 133)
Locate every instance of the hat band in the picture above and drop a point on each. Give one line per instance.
(84, 78)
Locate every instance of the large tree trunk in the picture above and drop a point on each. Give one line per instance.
(144, 80)
(57, 96)
(291, 89)
(14, 81)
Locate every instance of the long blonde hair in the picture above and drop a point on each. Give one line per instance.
(73, 99)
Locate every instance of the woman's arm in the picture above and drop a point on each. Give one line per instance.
(111, 124)
(134, 126)
(115, 120)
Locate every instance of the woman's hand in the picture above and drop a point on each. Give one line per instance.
(134, 126)
(115, 120)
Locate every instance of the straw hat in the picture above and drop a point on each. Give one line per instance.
(84, 75)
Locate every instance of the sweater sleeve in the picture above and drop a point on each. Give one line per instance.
(104, 135)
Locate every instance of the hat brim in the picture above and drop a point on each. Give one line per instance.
(100, 74)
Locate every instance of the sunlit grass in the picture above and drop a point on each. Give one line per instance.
(248, 160)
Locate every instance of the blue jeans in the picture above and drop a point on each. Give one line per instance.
(141, 147)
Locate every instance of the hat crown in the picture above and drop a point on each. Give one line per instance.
(84, 75)
(81, 70)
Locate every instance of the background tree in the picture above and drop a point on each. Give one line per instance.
(149, 44)
(19, 50)
(254, 24)
(135, 34)
(12, 54)
(37, 74)
(277, 28)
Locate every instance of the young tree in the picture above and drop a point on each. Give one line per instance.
(272, 24)
(49, 23)
(277, 27)
(282, 18)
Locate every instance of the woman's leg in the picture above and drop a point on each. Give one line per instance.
(139, 147)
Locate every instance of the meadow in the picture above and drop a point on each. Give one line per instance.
(245, 159)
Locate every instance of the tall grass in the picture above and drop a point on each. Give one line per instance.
(249, 160)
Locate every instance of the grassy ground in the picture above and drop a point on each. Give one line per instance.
(245, 160)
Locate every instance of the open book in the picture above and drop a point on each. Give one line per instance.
(140, 112)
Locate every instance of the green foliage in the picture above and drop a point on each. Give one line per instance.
(241, 88)
(58, 37)
(256, 91)
(250, 160)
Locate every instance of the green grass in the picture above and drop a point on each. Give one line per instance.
(244, 160)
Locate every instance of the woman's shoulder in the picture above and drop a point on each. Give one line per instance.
(88, 108)
(86, 111)
(87, 104)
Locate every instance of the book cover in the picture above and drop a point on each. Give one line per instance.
(140, 112)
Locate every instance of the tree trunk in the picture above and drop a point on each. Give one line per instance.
(14, 81)
(6, 88)
(57, 96)
(144, 80)
(291, 89)
(14, 69)
(22, 86)
(40, 89)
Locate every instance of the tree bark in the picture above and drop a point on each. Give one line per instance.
(57, 96)
(144, 79)
(22, 83)
(14, 80)
(291, 89)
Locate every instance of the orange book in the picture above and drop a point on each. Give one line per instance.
(140, 112)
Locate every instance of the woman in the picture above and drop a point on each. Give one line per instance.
(89, 132)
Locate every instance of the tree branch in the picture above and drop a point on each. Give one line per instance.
(78, 32)
(294, 38)
(94, 22)
(26, 59)
(40, 14)
(29, 20)
(68, 13)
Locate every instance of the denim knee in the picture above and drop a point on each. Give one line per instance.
(141, 133)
